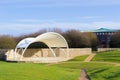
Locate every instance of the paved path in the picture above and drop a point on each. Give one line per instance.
(113, 63)
(84, 75)
(89, 58)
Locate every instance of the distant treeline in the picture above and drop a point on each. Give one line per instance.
(75, 39)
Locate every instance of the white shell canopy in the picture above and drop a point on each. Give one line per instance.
(51, 39)
(24, 43)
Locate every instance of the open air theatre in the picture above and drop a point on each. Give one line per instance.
(58, 49)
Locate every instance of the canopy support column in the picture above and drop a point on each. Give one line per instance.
(52, 52)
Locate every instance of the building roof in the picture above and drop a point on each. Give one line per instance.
(104, 30)
(25, 42)
(51, 39)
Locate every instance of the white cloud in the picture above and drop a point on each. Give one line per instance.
(19, 29)
(111, 25)
(81, 26)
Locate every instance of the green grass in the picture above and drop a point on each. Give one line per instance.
(61, 71)
(110, 56)
(79, 58)
(69, 70)
(105, 73)
(29, 71)
(96, 71)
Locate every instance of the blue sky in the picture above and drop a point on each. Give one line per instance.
(19, 17)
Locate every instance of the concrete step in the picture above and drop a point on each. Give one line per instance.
(89, 58)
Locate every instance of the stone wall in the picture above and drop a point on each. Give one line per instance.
(59, 52)
(46, 56)
(73, 52)
(46, 53)
(2, 54)
(107, 49)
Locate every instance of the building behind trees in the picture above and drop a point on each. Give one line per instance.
(106, 37)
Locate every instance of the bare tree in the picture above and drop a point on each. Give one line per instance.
(115, 40)
(7, 42)
(76, 39)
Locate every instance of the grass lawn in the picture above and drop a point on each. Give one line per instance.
(29, 71)
(97, 71)
(69, 70)
(62, 71)
(109, 56)
(79, 58)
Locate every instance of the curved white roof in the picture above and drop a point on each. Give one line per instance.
(51, 39)
(24, 43)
